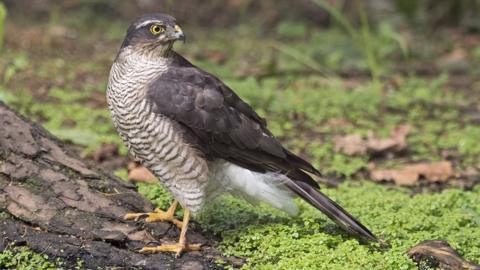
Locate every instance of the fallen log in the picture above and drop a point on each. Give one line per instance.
(56, 204)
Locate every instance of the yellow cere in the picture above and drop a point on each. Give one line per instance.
(177, 28)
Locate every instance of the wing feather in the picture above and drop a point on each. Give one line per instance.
(228, 127)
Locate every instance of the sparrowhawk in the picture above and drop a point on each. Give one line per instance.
(198, 137)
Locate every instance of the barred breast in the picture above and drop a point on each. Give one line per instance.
(155, 140)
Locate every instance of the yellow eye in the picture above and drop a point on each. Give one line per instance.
(157, 29)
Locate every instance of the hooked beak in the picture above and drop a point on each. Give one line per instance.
(179, 35)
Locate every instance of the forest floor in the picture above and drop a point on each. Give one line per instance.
(404, 145)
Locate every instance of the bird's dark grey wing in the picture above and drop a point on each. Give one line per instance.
(226, 127)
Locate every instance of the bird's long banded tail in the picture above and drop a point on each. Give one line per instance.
(330, 208)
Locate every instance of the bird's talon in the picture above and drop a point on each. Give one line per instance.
(157, 215)
(135, 216)
(177, 248)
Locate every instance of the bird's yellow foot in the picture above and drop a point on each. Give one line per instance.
(177, 248)
(182, 245)
(157, 215)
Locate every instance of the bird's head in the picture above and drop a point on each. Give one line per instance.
(152, 34)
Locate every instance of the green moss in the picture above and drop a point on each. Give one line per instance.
(156, 193)
(122, 174)
(4, 215)
(271, 239)
(311, 242)
(3, 15)
(22, 258)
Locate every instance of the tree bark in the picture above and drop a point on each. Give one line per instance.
(56, 204)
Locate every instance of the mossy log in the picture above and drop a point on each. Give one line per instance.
(56, 204)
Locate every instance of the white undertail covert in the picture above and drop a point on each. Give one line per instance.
(253, 186)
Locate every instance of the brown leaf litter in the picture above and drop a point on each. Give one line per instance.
(354, 144)
(436, 172)
(138, 173)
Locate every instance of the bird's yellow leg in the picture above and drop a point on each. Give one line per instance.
(158, 215)
(179, 247)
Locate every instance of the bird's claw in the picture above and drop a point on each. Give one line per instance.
(155, 216)
(177, 248)
(159, 215)
(135, 216)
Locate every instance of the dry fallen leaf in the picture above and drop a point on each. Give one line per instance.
(457, 55)
(396, 142)
(402, 177)
(138, 173)
(406, 176)
(354, 144)
(437, 172)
